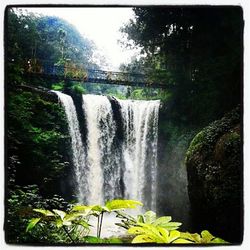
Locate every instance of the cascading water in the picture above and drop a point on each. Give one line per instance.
(140, 123)
(78, 156)
(111, 168)
(104, 170)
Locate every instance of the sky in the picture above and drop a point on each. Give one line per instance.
(100, 24)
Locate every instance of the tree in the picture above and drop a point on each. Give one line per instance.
(199, 51)
(33, 41)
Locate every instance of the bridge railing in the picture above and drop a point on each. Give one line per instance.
(48, 68)
(115, 76)
(75, 72)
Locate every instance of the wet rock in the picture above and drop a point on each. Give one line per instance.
(213, 163)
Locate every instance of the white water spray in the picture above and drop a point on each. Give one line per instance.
(140, 122)
(104, 174)
(78, 156)
(111, 168)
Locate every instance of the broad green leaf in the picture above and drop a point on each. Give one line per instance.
(219, 241)
(182, 241)
(137, 230)
(206, 236)
(146, 229)
(144, 238)
(149, 228)
(171, 225)
(81, 208)
(82, 223)
(164, 235)
(153, 231)
(162, 220)
(191, 237)
(122, 204)
(44, 212)
(196, 237)
(72, 216)
(99, 208)
(156, 234)
(149, 217)
(32, 223)
(173, 235)
(61, 213)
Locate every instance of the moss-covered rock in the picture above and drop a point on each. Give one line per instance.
(213, 163)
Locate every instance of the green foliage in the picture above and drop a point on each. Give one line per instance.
(19, 212)
(172, 41)
(77, 216)
(73, 226)
(32, 223)
(156, 233)
(69, 226)
(138, 94)
(148, 218)
(79, 89)
(205, 238)
(37, 132)
(35, 39)
(110, 206)
(58, 86)
(147, 228)
(114, 205)
(147, 233)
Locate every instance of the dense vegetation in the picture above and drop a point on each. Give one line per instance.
(73, 226)
(196, 52)
(33, 39)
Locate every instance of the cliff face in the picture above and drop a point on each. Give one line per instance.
(214, 169)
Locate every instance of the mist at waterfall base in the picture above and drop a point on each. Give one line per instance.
(115, 154)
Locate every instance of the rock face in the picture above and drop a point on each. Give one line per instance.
(214, 167)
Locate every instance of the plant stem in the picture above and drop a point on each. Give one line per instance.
(68, 234)
(98, 220)
(101, 224)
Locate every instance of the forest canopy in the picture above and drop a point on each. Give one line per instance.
(33, 38)
(195, 50)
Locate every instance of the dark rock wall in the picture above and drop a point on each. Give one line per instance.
(214, 169)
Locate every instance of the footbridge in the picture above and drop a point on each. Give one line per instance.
(72, 72)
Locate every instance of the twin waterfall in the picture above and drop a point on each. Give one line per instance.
(119, 157)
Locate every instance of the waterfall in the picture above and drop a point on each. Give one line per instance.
(78, 156)
(140, 123)
(104, 170)
(108, 167)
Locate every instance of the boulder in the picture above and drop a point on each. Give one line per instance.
(214, 168)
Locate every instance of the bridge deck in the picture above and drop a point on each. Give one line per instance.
(80, 74)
